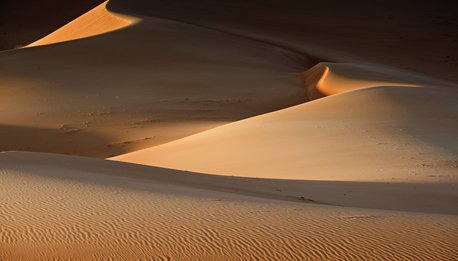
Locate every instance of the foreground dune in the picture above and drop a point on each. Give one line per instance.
(105, 209)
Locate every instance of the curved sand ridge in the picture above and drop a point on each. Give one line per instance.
(384, 133)
(150, 83)
(105, 209)
(382, 140)
(326, 78)
(97, 21)
(420, 37)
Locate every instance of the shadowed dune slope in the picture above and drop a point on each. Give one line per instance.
(437, 198)
(373, 134)
(158, 80)
(343, 159)
(105, 209)
(143, 85)
(412, 35)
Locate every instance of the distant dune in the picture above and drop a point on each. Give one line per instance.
(240, 130)
(327, 79)
(23, 22)
(412, 35)
(97, 21)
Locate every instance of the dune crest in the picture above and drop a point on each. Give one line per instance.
(150, 83)
(97, 21)
(325, 78)
(233, 141)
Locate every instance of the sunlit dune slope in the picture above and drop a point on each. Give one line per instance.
(97, 21)
(389, 133)
(326, 78)
(337, 177)
(158, 80)
(343, 159)
(105, 209)
(144, 85)
(23, 22)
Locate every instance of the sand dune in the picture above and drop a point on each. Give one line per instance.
(400, 133)
(323, 148)
(21, 23)
(106, 209)
(419, 36)
(97, 21)
(144, 85)
(326, 79)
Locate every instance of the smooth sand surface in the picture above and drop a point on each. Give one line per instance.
(147, 84)
(372, 131)
(80, 208)
(97, 21)
(325, 79)
(282, 130)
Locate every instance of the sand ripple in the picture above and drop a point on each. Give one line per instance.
(127, 218)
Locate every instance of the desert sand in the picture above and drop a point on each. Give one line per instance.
(367, 130)
(97, 21)
(238, 130)
(136, 87)
(65, 206)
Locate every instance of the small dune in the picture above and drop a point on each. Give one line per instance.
(326, 79)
